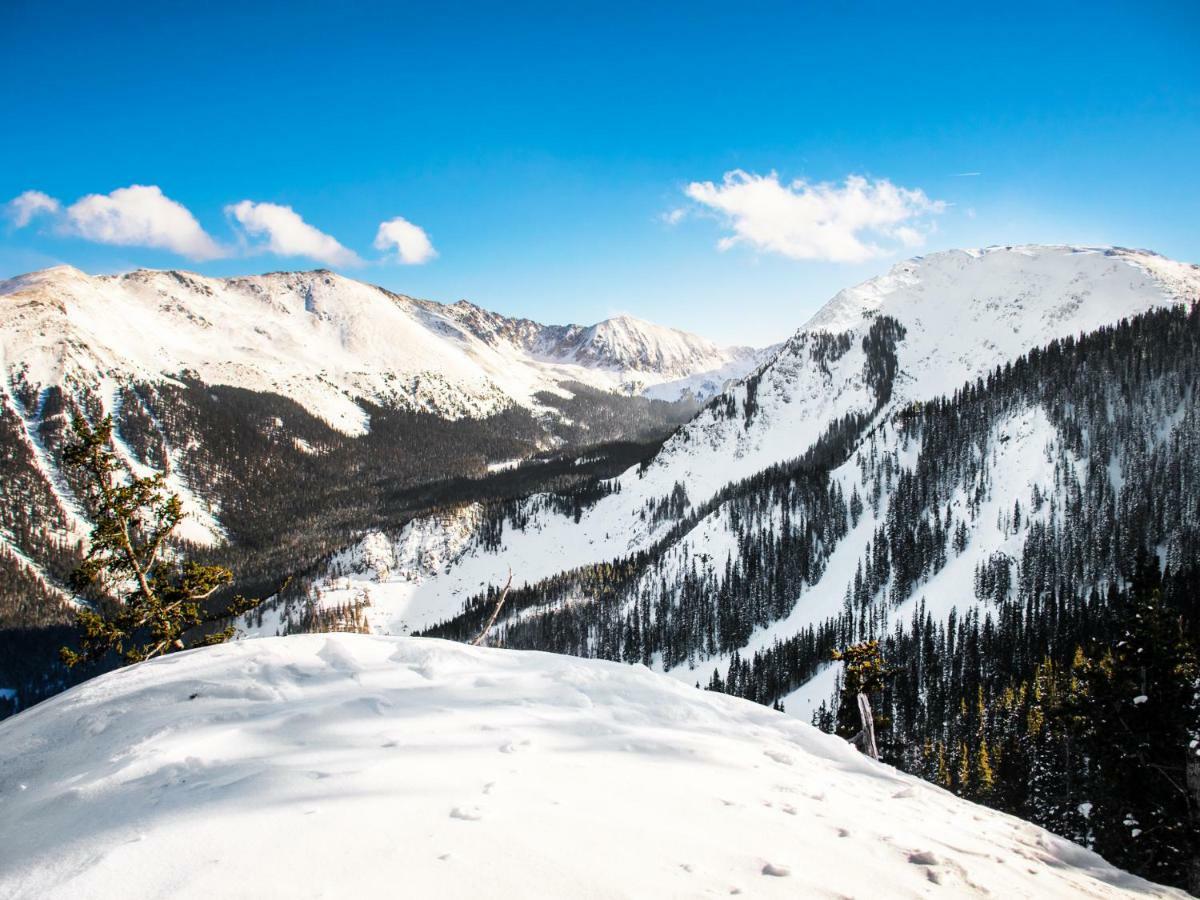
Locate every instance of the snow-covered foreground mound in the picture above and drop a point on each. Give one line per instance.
(352, 766)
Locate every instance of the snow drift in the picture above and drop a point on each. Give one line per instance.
(349, 765)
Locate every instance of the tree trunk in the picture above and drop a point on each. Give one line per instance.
(1193, 792)
(868, 725)
(495, 612)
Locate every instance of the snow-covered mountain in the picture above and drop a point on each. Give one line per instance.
(962, 313)
(346, 765)
(292, 410)
(327, 341)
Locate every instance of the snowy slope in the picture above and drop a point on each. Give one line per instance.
(1020, 451)
(324, 340)
(347, 765)
(964, 313)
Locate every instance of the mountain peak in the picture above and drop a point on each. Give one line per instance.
(49, 276)
(1036, 281)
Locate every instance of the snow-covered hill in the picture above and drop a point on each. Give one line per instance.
(963, 313)
(347, 765)
(325, 340)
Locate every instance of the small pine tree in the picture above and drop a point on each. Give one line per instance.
(984, 778)
(143, 601)
(943, 768)
(963, 784)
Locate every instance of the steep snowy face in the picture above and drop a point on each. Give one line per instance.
(349, 765)
(324, 340)
(963, 311)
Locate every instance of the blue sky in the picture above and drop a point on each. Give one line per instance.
(568, 161)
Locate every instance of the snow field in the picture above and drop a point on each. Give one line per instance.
(353, 765)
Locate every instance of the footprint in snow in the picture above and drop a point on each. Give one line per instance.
(514, 746)
(776, 870)
(779, 756)
(923, 858)
(466, 813)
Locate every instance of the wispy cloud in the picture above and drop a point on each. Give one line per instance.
(22, 209)
(817, 221)
(965, 174)
(406, 242)
(287, 234)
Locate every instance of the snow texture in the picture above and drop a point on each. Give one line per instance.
(354, 765)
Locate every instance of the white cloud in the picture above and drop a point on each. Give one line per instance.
(22, 209)
(821, 221)
(140, 216)
(675, 216)
(411, 243)
(289, 235)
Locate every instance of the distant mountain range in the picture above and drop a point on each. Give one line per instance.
(327, 341)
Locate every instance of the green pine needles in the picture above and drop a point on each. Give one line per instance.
(146, 597)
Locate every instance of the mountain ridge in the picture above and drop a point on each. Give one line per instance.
(326, 340)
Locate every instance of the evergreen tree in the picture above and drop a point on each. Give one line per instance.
(144, 600)
(1145, 722)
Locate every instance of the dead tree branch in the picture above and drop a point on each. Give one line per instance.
(495, 612)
